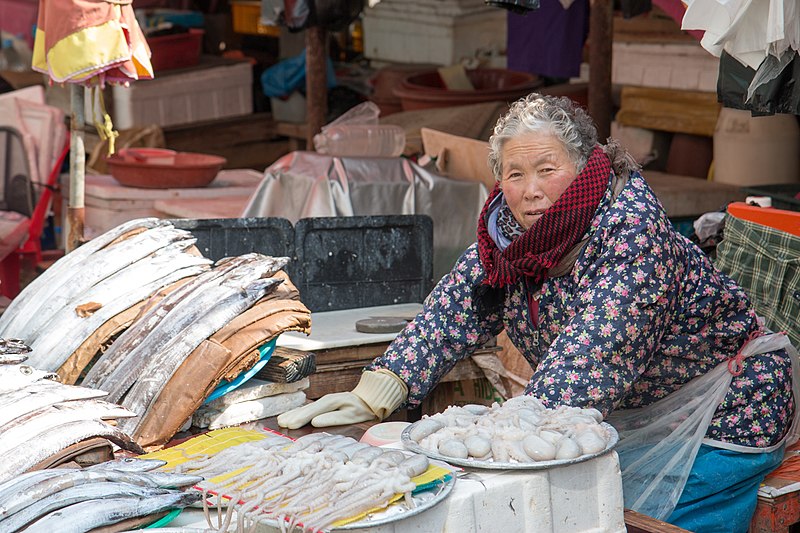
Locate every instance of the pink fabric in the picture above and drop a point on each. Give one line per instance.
(675, 9)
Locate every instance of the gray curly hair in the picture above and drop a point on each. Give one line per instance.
(557, 115)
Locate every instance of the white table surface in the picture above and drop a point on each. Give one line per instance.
(336, 329)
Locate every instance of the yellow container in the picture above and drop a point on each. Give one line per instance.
(247, 19)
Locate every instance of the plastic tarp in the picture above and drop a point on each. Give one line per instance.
(307, 184)
(746, 29)
(758, 42)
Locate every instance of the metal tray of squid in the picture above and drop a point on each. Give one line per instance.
(492, 465)
(399, 510)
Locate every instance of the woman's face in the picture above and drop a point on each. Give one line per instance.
(536, 170)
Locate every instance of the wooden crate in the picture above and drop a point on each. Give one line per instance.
(692, 112)
(339, 369)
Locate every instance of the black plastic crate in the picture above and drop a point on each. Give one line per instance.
(225, 237)
(784, 195)
(337, 262)
(364, 261)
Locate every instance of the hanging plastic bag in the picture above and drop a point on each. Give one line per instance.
(659, 442)
(281, 79)
(297, 14)
(775, 93)
(515, 6)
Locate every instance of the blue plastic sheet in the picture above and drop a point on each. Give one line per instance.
(282, 79)
(720, 495)
(227, 386)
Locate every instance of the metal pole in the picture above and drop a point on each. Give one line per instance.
(316, 83)
(77, 169)
(601, 20)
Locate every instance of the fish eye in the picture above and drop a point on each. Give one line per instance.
(26, 370)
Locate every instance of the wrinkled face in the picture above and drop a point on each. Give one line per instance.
(536, 170)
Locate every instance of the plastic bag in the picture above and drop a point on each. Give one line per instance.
(357, 133)
(778, 94)
(709, 225)
(658, 443)
(282, 79)
(515, 6)
(364, 113)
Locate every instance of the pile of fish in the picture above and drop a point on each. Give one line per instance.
(59, 310)
(175, 326)
(77, 500)
(521, 430)
(40, 417)
(139, 313)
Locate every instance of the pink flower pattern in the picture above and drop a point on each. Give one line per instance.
(642, 313)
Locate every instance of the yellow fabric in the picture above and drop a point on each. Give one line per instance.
(217, 440)
(90, 42)
(205, 444)
(78, 58)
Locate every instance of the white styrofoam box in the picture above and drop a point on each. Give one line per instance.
(293, 109)
(185, 97)
(579, 498)
(430, 31)
(670, 66)
(109, 204)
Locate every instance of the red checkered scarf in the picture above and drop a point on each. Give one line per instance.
(559, 228)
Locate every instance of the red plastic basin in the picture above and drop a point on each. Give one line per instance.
(175, 51)
(426, 90)
(188, 170)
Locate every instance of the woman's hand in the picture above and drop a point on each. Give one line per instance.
(335, 409)
(376, 396)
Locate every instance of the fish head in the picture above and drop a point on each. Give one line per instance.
(17, 376)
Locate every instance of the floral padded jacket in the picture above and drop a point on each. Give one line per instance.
(642, 312)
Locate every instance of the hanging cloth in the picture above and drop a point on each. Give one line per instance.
(90, 42)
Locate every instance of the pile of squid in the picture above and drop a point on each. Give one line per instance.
(310, 484)
(521, 430)
(83, 499)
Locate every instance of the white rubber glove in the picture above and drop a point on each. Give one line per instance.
(376, 396)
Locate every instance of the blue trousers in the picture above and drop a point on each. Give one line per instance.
(721, 492)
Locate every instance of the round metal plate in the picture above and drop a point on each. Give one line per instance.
(400, 511)
(491, 465)
(380, 325)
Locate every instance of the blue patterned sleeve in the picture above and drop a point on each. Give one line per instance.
(448, 329)
(626, 291)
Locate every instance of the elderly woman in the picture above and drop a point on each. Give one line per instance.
(578, 262)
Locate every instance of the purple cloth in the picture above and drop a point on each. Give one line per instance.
(549, 41)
